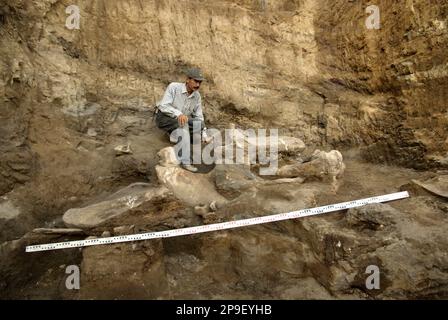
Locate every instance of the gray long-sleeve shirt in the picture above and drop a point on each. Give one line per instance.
(176, 101)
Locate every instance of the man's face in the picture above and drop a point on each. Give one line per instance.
(193, 85)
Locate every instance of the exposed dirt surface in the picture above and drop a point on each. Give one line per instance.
(360, 112)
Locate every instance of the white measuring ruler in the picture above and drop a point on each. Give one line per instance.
(219, 226)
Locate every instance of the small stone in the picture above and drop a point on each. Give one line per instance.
(123, 149)
(105, 234)
(123, 230)
(91, 132)
(201, 210)
(213, 206)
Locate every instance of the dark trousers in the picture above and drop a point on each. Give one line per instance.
(168, 124)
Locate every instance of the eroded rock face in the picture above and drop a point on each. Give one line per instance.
(14, 219)
(8, 210)
(93, 91)
(124, 271)
(309, 68)
(381, 236)
(373, 217)
(23, 273)
(394, 60)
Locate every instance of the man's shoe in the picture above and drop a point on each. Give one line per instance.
(189, 167)
(173, 140)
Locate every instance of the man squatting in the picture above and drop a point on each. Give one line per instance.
(181, 107)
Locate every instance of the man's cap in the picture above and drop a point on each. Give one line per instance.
(195, 74)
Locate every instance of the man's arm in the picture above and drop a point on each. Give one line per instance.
(166, 104)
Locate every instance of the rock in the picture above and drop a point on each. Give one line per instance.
(59, 231)
(303, 289)
(213, 206)
(127, 166)
(91, 132)
(437, 185)
(191, 188)
(20, 271)
(201, 210)
(410, 264)
(321, 165)
(105, 234)
(123, 149)
(211, 217)
(115, 205)
(81, 109)
(123, 230)
(123, 272)
(412, 271)
(207, 216)
(414, 189)
(89, 145)
(167, 157)
(20, 167)
(332, 162)
(15, 221)
(8, 210)
(443, 207)
(377, 217)
(233, 179)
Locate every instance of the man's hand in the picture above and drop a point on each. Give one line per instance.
(182, 119)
